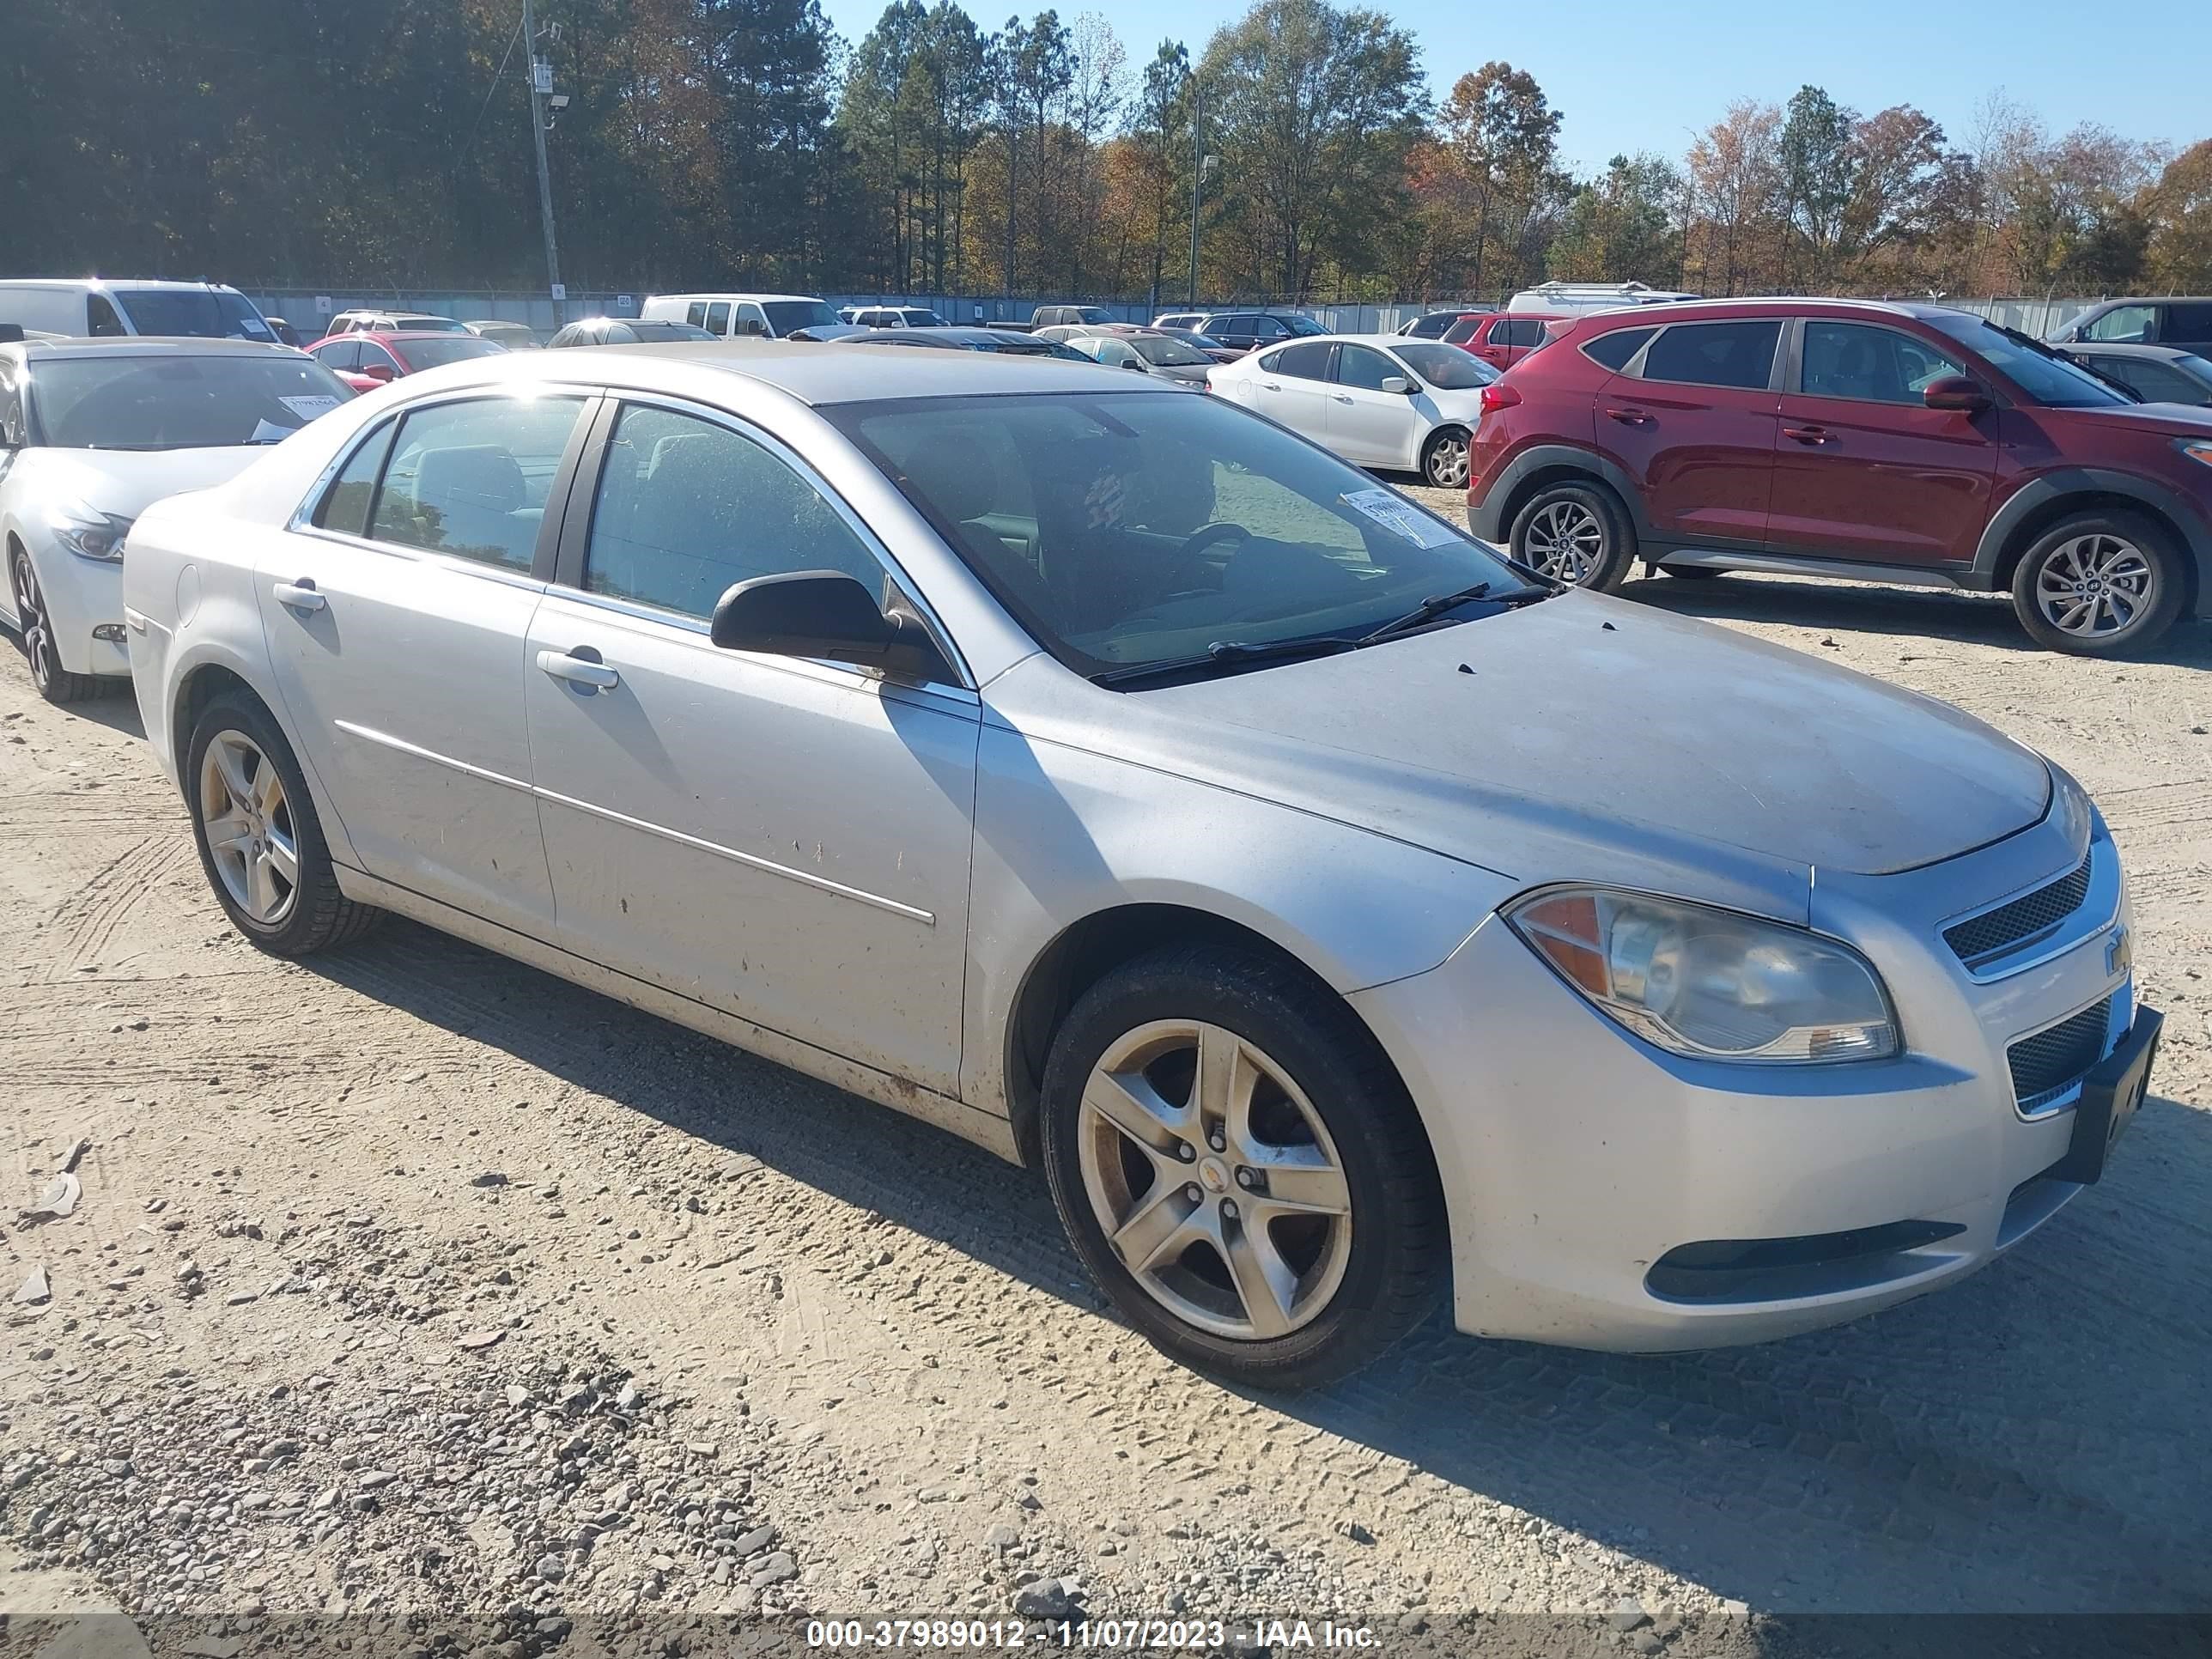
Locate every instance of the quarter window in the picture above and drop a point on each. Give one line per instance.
(1874, 365)
(1614, 350)
(1739, 354)
(1358, 365)
(471, 479)
(687, 510)
(345, 504)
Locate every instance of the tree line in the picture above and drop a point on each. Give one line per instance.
(742, 143)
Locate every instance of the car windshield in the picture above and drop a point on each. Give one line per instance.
(126, 401)
(2044, 376)
(435, 353)
(1302, 325)
(922, 320)
(1166, 351)
(785, 315)
(1127, 530)
(1446, 367)
(421, 325)
(205, 313)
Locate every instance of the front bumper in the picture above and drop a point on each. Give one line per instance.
(1591, 1178)
(81, 594)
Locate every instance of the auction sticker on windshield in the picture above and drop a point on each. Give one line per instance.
(1396, 514)
(309, 408)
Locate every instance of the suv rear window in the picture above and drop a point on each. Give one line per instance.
(1614, 349)
(1739, 354)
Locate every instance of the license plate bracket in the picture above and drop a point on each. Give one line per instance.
(2112, 1094)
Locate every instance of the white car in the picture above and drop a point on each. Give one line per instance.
(1380, 399)
(92, 432)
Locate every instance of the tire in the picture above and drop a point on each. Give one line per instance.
(257, 825)
(1689, 573)
(1443, 459)
(2116, 575)
(41, 650)
(1575, 532)
(1327, 1120)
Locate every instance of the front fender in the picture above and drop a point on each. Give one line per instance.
(2050, 488)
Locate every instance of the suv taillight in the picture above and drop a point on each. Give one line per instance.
(1499, 395)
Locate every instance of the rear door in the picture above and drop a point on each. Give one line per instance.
(1694, 424)
(1293, 387)
(717, 319)
(1864, 468)
(396, 613)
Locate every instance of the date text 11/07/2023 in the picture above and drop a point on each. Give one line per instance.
(1121, 1635)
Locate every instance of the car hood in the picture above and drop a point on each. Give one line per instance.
(830, 330)
(126, 481)
(2176, 420)
(1585, 738)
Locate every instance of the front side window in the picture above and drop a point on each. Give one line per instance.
(13, 432)
(1738, 355)
(217, 401)
(338, 354)
(2123, 326)
(1445, 366)
(471, 479)
(1130, 530)
(100, 320)
(1366, 369)
(1873, 365)
(687, 510)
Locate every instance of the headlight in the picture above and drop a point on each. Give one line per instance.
(1711, 984)
(90, 534)
(2198, 450)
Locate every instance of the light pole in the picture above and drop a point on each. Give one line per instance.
(541, 83)
(1200, 165)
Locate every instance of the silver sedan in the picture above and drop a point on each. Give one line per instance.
(1330, 910)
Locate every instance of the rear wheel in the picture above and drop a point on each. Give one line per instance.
(36, 630)
(1240, 1167)
(2100, 584)
(259, 840)
(1575, 532)
(1443, 460)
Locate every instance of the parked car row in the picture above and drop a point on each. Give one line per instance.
(588, 656)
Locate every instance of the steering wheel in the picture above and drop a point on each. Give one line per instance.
(1184, 571)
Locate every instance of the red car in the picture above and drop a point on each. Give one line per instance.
(366, 361)
(1502, 338)
(1865, 440)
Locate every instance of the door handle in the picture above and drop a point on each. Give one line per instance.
(1630, 416)
(300, 595)
(1806, 434)
(1339, 397)
(578, 670)
(1270, 386)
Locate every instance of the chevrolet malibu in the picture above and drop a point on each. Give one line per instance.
(1324, 904)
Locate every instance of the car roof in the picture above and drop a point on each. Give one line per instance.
(729, 294)
(809, 371)
(67, 283)
(55, 347)
(402, 334)
(1783, 305)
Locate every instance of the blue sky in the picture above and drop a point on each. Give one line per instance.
(1633, 76)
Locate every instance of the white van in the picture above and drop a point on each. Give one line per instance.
(746, 316)
(1567, 298)
(97, 306)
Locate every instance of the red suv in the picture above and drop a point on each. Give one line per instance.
(366, 360)
(1872, 442)
(1502, 338)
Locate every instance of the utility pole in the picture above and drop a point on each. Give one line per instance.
(541, 83)
(1197, 178)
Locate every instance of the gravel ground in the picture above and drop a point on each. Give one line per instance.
(414, 1286)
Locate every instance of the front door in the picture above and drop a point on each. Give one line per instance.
(1366, 424)
(787, 841)
(1865, 470)
(396, 623)
(1695, 429)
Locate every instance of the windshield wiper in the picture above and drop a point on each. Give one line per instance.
(1437, 604)
(1230, 653)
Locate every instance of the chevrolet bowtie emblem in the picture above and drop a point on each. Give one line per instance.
(2119, 954)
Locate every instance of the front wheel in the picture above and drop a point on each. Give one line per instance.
(41, 650)
(1240, 1167)
(1443, 460)
(1575, 533)
(2100, 584)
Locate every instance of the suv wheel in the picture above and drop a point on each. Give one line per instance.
(1443, 462)
(1575, 533)
(2100, 584)
(1239, 1167)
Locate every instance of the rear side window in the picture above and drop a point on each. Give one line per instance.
(1614, 350)
(1518, 332)
(718, 318)
(471, 479)
(2189, 325)
(695, 313)
(1464, 330)
(1738, 355)
(1308, 361)
(345, 504)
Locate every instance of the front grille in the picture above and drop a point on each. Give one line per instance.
(2052, 1061)
(1979, 938)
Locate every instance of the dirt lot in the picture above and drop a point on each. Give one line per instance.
(412, 1280)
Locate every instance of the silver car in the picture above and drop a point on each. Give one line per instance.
(1329, 910)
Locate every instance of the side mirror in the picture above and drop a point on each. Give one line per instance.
(1956, 391)
(825, 614)
(1398, 383)
(752, 325)
(377, 371)
(1137, 363)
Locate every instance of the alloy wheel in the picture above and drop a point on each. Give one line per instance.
(38, 633)
(2096, 585)
(1564, 541)
(247, 819)
(1214, 1180)
(1448, 463)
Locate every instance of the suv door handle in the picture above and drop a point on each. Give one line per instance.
(1806, 434)
(1630, 416)
(578, 670)
(300, 595)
